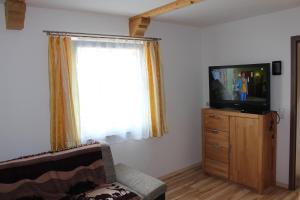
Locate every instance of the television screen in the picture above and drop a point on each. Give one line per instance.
(240, 85)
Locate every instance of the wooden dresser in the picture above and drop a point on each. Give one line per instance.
(240, 147)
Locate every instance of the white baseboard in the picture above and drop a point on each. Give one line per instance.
(180, 171)
(282, 185)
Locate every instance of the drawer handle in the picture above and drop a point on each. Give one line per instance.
(216, 146)
(214, 131)
(214, 117)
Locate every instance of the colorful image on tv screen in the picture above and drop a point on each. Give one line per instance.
(239, 84)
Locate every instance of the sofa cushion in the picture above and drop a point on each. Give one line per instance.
(150, 188)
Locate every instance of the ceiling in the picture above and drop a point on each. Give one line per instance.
(209, 12)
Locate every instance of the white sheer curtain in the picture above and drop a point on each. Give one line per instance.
(113, 91)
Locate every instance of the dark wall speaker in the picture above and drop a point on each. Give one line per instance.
(276, 67)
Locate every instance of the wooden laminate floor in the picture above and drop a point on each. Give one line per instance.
(193, 184)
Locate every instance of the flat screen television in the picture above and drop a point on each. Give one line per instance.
(242, 87)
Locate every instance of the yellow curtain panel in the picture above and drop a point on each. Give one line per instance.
(64, 101)
(155, 84)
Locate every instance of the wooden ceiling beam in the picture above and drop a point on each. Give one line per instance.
(15, 14)
(167, 8)
(138, 26)
(134, 21)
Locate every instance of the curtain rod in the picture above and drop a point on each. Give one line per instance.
(94, 35)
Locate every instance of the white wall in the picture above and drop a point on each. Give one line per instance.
(24, 89)
(256, 40)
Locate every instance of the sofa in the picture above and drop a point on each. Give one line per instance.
(83, 173)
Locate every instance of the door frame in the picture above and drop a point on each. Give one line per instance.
(293, 113)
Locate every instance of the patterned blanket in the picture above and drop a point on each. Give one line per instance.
(74, 174)
(113, 191)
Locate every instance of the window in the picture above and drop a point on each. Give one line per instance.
(113, 90)
(119, 88)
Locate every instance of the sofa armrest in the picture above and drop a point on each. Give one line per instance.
(108, 162)
(150, 188)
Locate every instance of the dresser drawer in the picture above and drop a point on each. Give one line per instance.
(216, 122)
(216, 168)
(213, 135)
(217, 152)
